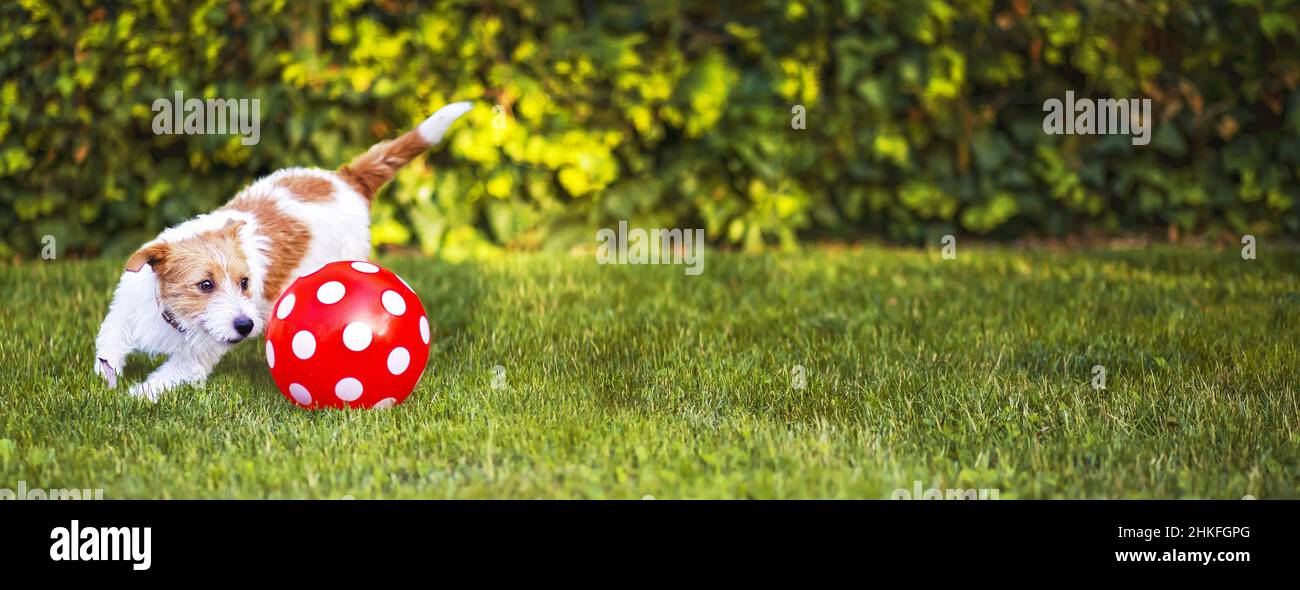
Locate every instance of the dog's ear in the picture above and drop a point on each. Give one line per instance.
(232, 226)
(153, 255)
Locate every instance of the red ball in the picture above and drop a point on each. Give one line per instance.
(349, 334)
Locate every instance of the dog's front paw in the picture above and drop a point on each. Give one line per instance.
(107, 370)
(145, 390)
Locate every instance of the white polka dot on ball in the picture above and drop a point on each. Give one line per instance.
(300, 394)
(331, 292)
(385, 403)
(304, 345)
(398, 360)
(357, 336)
(365, 267)
(286, 306)
(348, 389)
(424, 329)
(270, 355)
(393, 302)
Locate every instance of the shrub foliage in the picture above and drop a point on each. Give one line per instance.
(920, 117)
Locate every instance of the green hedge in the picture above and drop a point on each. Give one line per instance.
(922, 118)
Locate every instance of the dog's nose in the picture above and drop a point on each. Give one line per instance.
(243, 325)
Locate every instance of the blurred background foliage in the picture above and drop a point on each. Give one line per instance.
(922, 118)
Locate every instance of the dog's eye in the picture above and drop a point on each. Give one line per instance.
(243, 283)
(205, 286)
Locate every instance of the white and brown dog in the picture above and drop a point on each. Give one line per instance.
(204, 285)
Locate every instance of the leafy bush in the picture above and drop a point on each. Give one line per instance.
(921, 117)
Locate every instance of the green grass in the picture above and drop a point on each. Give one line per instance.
(632, 381)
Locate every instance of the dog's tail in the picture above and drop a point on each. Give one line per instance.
(371, 170)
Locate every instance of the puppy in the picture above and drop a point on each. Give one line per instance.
(207, 284)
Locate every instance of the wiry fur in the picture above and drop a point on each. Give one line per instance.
(278, 228)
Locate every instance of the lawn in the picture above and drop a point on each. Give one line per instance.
(628, 381)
